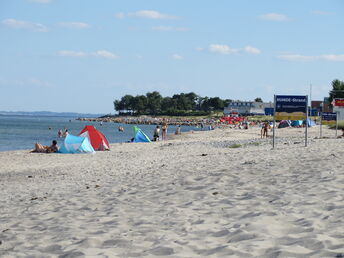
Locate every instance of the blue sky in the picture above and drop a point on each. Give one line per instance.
(80, 55)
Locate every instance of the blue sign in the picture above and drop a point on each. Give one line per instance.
(291, 104)
(291, 107)
(329, 116)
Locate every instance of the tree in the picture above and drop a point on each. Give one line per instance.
(183, 102)
(226, 102)
(258, 100)
(193, 99)
(125, 104)
(216, 103)
(118, 105)
(337, 90)
(139, 104)
(168, 103)
(205, 104)
(154, 102)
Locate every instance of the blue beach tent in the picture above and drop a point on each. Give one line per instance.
(140, 136)
(310, 123)
(296, 123)
(76, 144)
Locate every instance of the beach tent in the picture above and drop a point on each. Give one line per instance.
(283, 124)
(310, 123)
(97, 139)
(76, 144)
(140, 136)
(296, 123)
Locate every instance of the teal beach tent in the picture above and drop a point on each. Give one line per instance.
(76, 144)
(296, 123)
(310, 123)
(140, 136)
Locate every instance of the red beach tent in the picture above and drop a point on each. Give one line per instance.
(97, 139)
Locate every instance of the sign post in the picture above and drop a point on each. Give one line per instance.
(336, 124)
(290, 107)
(274, 124)
(306, 132)
(321, 119)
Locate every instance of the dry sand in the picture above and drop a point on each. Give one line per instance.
(191, 196)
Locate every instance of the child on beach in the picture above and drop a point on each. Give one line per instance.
(156, 135)
(177, 130)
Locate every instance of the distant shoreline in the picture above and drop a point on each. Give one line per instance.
(148, 120)
(48, 114)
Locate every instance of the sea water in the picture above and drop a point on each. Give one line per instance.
(22, 132)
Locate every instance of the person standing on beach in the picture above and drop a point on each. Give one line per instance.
(264, 131)
(164, 129)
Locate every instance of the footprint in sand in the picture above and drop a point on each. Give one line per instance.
(162, 251)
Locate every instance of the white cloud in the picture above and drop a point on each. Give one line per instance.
(337, 58)
(25, 25)
(226, 50)
(26, 83)
(177, 57)
(222, 49)
(252, 50)
(71, 53)
(41, 1)
(74, 25)
(104, 54)
(169, 28)
(147, 14)
(40, 83)
(99, 53)
(120, 15)
(274, 17)
(303, 58)
(199, 48)
(296, 57)
(318, 12)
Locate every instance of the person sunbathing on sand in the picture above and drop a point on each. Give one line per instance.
(46, 149)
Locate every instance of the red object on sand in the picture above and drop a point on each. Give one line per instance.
(97, 139)
(232, 120)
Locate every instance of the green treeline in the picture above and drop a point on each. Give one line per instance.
(178, 105)
(188, 104)
(337, 90)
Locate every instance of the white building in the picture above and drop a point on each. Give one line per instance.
(247, 108)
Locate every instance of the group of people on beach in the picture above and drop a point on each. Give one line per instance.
(61, 134)
(264, 132)
(156, 134)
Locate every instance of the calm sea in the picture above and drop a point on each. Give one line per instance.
(22, 132)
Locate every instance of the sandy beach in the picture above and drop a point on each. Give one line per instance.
(220, 193)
